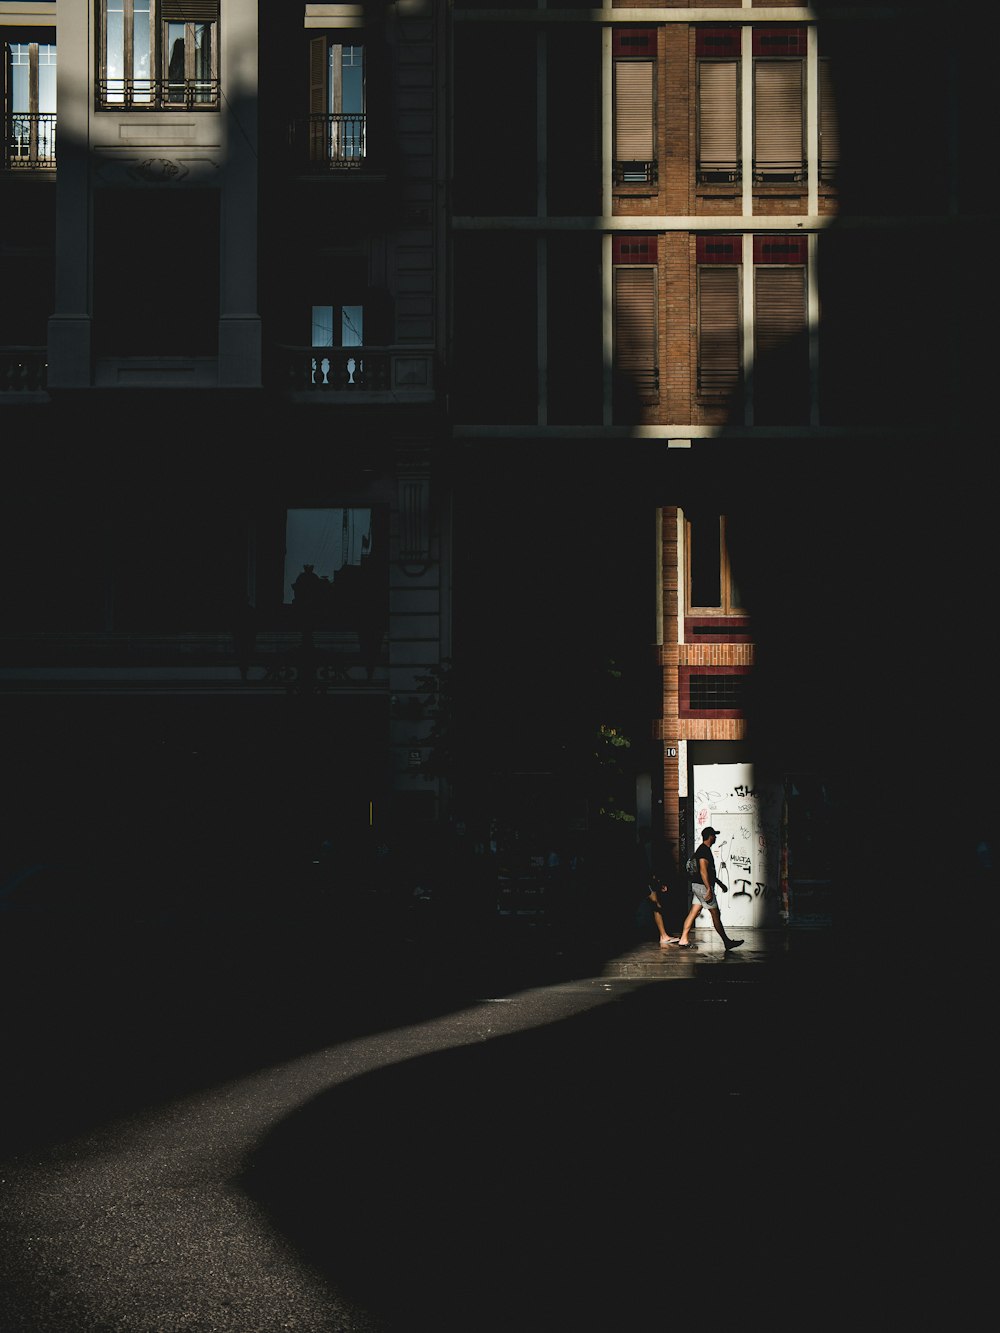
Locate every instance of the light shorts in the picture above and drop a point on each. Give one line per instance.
(699, 891)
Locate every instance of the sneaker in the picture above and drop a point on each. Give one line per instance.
(733, 944)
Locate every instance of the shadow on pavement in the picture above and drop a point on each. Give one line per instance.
(669, 1153)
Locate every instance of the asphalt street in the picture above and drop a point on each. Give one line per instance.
(495, 1134)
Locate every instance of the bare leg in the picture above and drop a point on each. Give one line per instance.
(689, 921)
(727, 940)
(665, 938)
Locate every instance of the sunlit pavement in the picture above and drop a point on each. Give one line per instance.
(481, 1165)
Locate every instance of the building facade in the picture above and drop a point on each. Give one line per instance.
(344, 346)
(717, 252)
(226, 525)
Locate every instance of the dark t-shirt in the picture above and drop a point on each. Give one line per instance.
(705, 854)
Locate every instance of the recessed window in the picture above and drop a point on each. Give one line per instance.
(635, 320)
(158, 54)
(712, 691)
(30, 105)
(337, 121)
(711, 581)
(635, 157)
(779, 80)
(718, 106)
(720, 338)
(320, 545)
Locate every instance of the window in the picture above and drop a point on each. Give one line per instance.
(635, 317)
(778, 104)
(711, 691)
(719, 321)
(324, 543)
(30, 104)
(158, 54)
(635, 106)
(781, 351)
(335, 572)
(711, 584)
(337, 326)
(718, 107)
(829, 135)
(337, 129)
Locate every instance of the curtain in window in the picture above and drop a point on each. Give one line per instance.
(634, 111)
(778, 118)
(718, 119)
(635, 326)
(718, 330)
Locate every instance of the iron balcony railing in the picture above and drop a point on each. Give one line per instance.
(789, 172)
(158, 94)
(329, 143)
(636, 173)
(334, 369)
(720, 173)
(29, 140)
(23, 369)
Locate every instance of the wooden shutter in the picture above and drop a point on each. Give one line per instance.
(318, 64)
(635, 328)
(719, 333)
(829, 136)
(634, 111)
(778, 119)
(718, 119)
(319, 106)
(779, 307)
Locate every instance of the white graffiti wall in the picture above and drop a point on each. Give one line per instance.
(747, 850)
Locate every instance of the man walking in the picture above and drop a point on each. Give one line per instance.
(703, 892)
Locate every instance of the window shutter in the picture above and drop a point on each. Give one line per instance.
(318, 48)
(197, 11)
(635, 327)
(718, 118)
(718, 329)
(778, 119)
(634, 111)
(829, 137)
(779, 307)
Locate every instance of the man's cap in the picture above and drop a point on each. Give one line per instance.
(708, 829)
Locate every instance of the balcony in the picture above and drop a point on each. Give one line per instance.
(636, 173)
(354, 374)
(23, 370)
(29, 141)
(335, 369)
(158, 94)
(333, 143)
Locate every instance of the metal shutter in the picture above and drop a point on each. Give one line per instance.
(778, 119)
(634, 111)
(779, 307)
(718, 330)
(718, 118)
(635, 327)
(829, 136)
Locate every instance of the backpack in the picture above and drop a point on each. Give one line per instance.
(692, 867)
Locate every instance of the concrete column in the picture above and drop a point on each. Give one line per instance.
(69, 329)
(239, 318)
